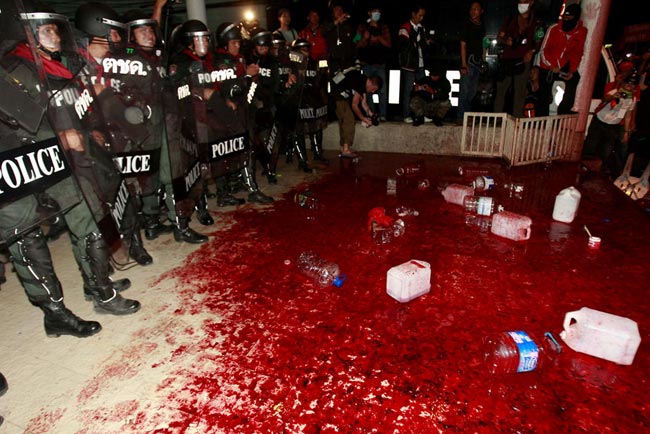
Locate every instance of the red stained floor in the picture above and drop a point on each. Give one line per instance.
(299, 358)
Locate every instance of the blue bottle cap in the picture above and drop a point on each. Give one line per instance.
(339, 280)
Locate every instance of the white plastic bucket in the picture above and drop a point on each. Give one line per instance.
(566, 205)
(601, 334)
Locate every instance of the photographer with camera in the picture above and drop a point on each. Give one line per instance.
(350, 100)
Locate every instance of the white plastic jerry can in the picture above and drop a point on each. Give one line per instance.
(601, 334)
(511, 225)
(455, 193)
(408, 280)
(566, 205)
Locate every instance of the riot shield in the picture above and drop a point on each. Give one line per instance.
(312, 112)
(136, 129)
(36, 181)
(73, 113)
(182, 137)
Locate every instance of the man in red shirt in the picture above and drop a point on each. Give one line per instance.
(559, 58)
(313, 33)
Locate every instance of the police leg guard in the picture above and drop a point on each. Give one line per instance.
(202, 213)
(302, 153)
(34, 267)
(224, 197)
(317, 146)
(255, 195)
(184, 233)
(105, 298)
(136, 248)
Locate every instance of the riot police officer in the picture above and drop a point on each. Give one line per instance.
(153, 90)
(262, 128)
(235, 79)
(122, 121)
(69, 103)
(312, 111)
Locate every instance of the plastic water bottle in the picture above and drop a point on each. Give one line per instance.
(518, 351)
(323, 272)
(455, 193)
(469, 172)
(384, 235)
(481, 205)
(483, 223)
(306, 200)
(483, 183)
(409, 170)
(404, 211)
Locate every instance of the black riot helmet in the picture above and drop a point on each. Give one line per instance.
(277, 38)
(299, 44)
(143, 31)
(196, 35)
(49, 41)
(99, 20)
(262, 37)
(227, 32)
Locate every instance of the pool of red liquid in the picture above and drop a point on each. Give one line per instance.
(296, 357)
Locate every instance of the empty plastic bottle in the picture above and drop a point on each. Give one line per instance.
(409, 170)
(469, 172)
(307, 200)
(518, 351)
(481, 205)
(385, 234)
(483, 183)
(404, 211)
(323, 272)
(483, 223)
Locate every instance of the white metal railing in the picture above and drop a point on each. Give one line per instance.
(519, 140)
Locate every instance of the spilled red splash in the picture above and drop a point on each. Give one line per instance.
(277, 354)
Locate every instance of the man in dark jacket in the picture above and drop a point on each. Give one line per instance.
(430, 98)
(412, 42)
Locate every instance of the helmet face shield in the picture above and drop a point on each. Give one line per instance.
(200, 43)
(144, 34)
(53, 36)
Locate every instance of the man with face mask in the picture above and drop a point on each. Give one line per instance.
(373, 47)
(518, 40)
(559, 58)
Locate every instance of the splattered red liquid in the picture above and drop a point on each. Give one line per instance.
(293, 357)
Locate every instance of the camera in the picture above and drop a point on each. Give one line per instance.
(375, 119)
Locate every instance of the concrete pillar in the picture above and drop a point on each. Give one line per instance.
(594, 16)
(196, 10)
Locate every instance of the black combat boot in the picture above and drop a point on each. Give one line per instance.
(119, 285)
(255, 195)
(183, 232)
(34, 257)
(317, 146)
(202, 213)
(137, 250)
(153, 227)
(105, 298)
(59, 320)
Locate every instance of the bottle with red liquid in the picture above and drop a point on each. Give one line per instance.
(518, 351)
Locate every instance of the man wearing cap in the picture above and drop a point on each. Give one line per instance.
(559, 58)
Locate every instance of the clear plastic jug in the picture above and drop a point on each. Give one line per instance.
(601, 334)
